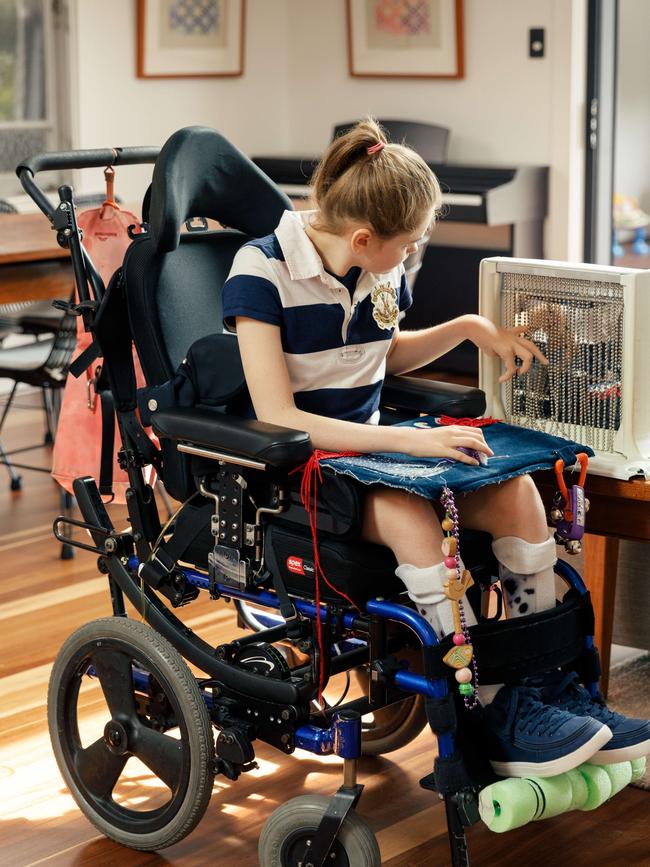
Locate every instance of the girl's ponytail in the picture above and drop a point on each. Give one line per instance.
(364, 178)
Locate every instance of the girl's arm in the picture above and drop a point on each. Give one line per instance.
(268, 382)
(413, 349)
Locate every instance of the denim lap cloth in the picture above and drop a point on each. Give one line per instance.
(516, 451)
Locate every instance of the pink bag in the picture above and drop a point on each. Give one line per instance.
(78, 443)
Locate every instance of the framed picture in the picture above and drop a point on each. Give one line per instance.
(405, 38)
(190, 38)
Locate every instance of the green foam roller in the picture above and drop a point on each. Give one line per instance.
(638, 768)
(598, 783)
(579, 789)
(508, 804)
(620, 775)
(555, 795)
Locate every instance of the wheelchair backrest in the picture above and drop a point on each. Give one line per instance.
(173, 282)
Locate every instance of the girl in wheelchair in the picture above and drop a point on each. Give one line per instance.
(316, 306)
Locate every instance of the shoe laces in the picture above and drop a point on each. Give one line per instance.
(573, 697)
(535, 717)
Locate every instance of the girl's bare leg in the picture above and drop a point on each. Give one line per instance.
(405, 523)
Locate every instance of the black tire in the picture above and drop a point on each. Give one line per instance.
(285, 834)
(136, 727)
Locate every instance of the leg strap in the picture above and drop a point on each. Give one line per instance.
(508, 650)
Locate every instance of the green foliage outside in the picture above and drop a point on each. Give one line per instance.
(8, 37)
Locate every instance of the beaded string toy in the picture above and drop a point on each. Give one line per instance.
(462, 653)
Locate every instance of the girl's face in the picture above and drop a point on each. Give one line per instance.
(384, 254)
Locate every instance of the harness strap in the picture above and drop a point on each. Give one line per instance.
(287, 608)
(165, 556)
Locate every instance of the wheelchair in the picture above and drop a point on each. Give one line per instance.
(242, 534)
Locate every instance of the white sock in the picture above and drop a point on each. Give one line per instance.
(425, 587)
(526, 573)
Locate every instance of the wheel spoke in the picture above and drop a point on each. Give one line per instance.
(115, 676)
(99, 768)
(161, 754)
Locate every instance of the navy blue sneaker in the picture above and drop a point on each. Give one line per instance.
(630, 737)
(526, 736)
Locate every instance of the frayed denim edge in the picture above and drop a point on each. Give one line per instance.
(405, 487)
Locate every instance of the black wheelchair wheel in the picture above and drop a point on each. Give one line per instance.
(287, 832)
(131, 733)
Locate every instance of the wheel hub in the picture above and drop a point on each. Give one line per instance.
(116, 738)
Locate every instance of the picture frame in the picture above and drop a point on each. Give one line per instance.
(405, 38)
(177, 39)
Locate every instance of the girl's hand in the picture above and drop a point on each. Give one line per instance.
(444, 442)
(507, 343)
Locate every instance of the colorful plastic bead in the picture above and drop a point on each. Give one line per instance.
(449, 546)
(450, 563)
(466, 689)
(458, 638)
(452, 574)
(463, 675)
(447, 525)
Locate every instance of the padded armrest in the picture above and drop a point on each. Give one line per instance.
(279, 447)
(432, 397)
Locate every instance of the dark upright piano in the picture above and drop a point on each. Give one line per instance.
(488, 211)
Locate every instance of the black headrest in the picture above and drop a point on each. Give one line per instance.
(199, 173)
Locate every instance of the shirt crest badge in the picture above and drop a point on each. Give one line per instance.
(385, 311)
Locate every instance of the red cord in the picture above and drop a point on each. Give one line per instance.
(468, 422)
(311, 475)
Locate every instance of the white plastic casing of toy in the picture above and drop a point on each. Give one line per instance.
(593, 324)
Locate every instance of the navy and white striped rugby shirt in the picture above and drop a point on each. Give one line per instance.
(334, 348)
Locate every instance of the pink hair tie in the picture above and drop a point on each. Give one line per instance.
(374, 149)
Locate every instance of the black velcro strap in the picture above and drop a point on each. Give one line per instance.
(82, 362)
(287, 608)
(508, 650)
(450, 774)
(189, 524)
(441, 714)
(108, 442)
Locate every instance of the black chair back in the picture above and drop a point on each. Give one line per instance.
(174, 281)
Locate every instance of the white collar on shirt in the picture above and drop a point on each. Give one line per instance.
(300, 254)
(303, 261)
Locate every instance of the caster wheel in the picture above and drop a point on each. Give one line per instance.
(131, 733)
(16, 484)
(286, 834)
(67, 552)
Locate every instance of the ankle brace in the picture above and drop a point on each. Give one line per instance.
(425, 587)
(526, 573)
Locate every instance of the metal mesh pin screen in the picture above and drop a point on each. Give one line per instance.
(578, 325)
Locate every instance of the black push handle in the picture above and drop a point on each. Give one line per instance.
(81, 159)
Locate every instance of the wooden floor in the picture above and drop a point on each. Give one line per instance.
(43, 599)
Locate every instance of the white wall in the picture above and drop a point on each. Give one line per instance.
(114, 107)
(632, 143)
(507, 110)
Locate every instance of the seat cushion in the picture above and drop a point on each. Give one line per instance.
(359, 569)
